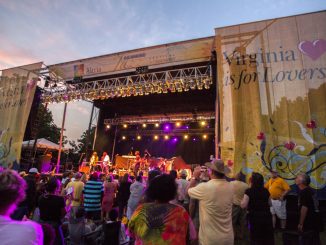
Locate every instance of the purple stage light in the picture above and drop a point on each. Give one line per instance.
(167, 127)
(175, 139)
(194, 139)
(187, 127)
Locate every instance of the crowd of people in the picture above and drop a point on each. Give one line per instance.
(163, 208)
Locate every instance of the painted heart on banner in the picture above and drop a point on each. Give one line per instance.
(313, 49)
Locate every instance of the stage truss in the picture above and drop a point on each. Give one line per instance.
(174, 80)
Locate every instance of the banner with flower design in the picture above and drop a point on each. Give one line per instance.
(17, 88)
(272, 97)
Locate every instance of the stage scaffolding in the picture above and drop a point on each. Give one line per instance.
(173, 80)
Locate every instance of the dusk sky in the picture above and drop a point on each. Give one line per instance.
(59, 31)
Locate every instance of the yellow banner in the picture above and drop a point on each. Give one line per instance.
(272, 90)
(17, 88)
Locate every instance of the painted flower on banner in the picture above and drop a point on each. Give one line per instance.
(290, 145)
(311, 124)
(230, 163)
(261, 136)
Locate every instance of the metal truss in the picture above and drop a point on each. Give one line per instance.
(185, 117)
(177, 80)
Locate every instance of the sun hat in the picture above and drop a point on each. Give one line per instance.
(218, 166)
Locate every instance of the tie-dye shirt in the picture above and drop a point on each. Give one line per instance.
(159, 224)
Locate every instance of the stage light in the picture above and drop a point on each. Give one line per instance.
(175, 139)
(144, 125)
(202, 123)
(194, 139)
(167, 127)
(138, 137)
(205, 136)
(108, 126)
(123, 137)
(166, 137)
(185, 136)
(155, 137)
(125, 126)
(178, 124)
(157, 125)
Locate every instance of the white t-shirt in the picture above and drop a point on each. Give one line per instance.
(20, 232)
(215, 211)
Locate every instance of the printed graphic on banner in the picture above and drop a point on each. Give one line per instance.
(17, 88)
(272, 81)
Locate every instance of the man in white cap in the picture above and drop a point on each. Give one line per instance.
(215, 205)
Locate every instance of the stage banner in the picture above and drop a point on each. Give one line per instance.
(272, 94)
(185, 52)
(17, 88)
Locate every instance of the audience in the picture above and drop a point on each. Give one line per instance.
(136, 193)
(160, 222)
(308, 220)
(53, 209)
(215, 205)
(238, 213)
(256, 201)
(156, 208)
(110, 188)
(278, 189)
(93, 193)
(123, 194)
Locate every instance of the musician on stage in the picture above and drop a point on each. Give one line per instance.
(105, 162)
(93, 161)
(137, 162)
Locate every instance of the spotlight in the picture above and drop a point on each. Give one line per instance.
(175, 139)
(125, 126)
(178, 124)
(167, 127)
(155, 137)
(205, 136)
(144, 125)
(185, 136)
(157, 125)
(108, 126)
(138, 137)
(202, 123)
(123, 137)
(166, 137)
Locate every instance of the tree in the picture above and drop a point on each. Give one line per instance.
(83, 143)
(46, 127)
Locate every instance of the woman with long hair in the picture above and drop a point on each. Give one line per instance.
(256, 200)
(123, 194)
(52, 208)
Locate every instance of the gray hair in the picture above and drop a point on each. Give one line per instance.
(304, 179)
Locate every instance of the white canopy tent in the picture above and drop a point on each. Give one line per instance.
(41, 144)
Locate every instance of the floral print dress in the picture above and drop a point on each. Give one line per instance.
(159, 224)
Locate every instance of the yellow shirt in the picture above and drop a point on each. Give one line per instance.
(277, 187)
(78, 187)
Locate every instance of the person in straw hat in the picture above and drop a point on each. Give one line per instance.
(215, 204)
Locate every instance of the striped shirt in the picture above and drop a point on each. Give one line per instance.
(93, 191)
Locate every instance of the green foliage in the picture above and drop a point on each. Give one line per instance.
(81, 145)
(46, 126)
